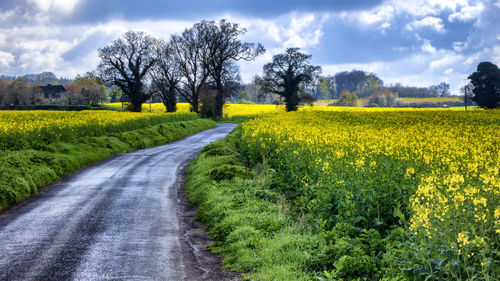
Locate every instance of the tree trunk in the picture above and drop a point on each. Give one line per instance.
(171, 106)
(137, 107)
(170, 100)
(292, 102)
(219, 101)
(195, 105)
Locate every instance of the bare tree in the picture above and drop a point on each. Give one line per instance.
(126, 63)
(286, 73)
(467, 93)
(190, 52)
(166, 77)
(231, 86)
(224, 48)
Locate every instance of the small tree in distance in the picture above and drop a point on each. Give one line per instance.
(348, 99)
(486, 82)
(286, 73)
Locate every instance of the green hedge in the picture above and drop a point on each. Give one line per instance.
(23, 172)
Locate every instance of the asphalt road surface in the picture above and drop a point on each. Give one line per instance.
(120, 219)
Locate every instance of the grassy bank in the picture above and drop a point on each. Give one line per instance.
(24, 171)
(249, 220)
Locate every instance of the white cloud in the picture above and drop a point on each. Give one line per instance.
(304, 31)
(427, 47)
(447, 59)
(429, 21)
(467, 13)
(43, 54)
(63, 6)
(422, 8)
(7, 15)
(6, 59)
(380, 17)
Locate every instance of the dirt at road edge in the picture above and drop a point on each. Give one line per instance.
(200, 263)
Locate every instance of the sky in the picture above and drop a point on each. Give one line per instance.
(415, 43)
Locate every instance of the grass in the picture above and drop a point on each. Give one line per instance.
(433, 100)
(250, 222)
(24, 172)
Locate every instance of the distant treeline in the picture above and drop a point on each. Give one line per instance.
(89, 90)
(27, 90)
(362, 84)
(43, 78)
(365, 84)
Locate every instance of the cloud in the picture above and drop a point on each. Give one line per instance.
(98, 11)
(63, 6)
(6, 59)
(256, 8)
(448, 59)
(427, 47)
(467, 13)
(430, 22)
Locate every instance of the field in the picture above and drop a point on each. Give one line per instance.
(38, 147)
(242, 111)
(433, 100)
(324, 193)
(394, 194)
(35, 129)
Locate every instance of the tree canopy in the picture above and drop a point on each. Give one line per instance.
(486, 83)
(225, 47)
(286, 73)
(126, 64)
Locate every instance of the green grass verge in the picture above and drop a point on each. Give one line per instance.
(23, 172)
(249, 221)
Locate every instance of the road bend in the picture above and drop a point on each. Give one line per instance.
(115, 220)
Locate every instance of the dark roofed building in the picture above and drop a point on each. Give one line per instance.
(53, 91)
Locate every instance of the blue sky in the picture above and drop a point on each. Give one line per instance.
(419, 42)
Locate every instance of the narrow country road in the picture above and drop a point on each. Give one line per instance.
(119, 219)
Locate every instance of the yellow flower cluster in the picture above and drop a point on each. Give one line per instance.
(453, 156)
(23, 129)
(155, 107)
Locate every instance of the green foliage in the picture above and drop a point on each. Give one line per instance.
(244, 98)
(227, 172)
(347, 99)
(207, 109)
(23, 172)
(486, 82)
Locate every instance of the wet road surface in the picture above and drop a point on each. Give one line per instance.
(116, 220)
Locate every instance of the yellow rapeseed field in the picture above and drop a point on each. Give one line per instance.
(435, 171)
(253, 110)
(24, 129)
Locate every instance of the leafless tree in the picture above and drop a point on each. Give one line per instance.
(190, 52)
(224, 48)
(126, 63)
(166, 77)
